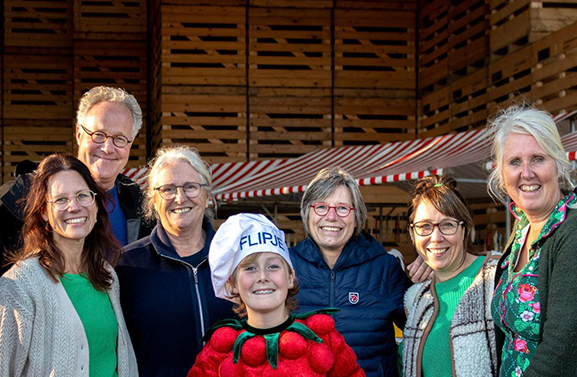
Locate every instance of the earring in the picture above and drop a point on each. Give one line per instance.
(47, 227)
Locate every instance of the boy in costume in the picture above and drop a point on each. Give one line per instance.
(250, 265)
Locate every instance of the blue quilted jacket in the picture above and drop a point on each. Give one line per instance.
(368, 285)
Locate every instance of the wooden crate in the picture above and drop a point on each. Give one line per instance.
(436, 114)
(555, 73)
(110, 63)
(211, 119)
(203, 45)
(289, 47)
(38, 23)
(288, 122)
(374, 49)
(468, 36)
(469, 102)
(38, 87)
(516, 23)
(510, 76)
(433, 45)
(33, 140)
(95, 19)
(365, 116)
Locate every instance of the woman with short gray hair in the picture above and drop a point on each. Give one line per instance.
(167, 294)
(341, 266)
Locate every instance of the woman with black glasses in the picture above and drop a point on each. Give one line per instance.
(342, 267)
(449, 329)
(60, 312)
(167, 294)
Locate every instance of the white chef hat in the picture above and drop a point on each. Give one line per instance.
(238, 237)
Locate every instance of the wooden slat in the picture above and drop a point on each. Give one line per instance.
(287, 122)
(111, 16)
(213, 119)
(38, 23)
(374, 49)
(368, 117)
(38, 88)
(289, 47)
(202, 45)
(111, 63)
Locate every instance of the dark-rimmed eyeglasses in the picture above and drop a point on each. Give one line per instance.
(100, 137)
(190, 189)
(446, 227)
(322, 209)
(85, 198)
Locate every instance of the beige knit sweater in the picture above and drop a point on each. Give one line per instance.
(40, 332)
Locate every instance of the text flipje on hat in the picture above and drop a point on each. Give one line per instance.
(238, 237)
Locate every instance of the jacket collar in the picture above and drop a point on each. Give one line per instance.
(163, 246)
(358, 250)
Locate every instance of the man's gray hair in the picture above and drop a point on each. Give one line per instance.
(113, 95)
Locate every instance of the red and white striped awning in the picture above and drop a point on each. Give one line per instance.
(371, 164)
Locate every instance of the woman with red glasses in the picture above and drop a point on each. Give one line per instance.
(340, 266)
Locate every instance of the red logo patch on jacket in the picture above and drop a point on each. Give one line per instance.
(354, 297)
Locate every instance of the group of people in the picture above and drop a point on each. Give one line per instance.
(94, 292)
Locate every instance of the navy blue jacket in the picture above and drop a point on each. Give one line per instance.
(168, 304)
(368, 285)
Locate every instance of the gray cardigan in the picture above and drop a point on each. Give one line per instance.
(472, 331)
(40, 332)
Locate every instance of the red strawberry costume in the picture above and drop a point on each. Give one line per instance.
(306, 344)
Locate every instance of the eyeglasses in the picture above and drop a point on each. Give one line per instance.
(100, 137)
(446, 227)
(85, 198)
(322, 209)
(191, 190)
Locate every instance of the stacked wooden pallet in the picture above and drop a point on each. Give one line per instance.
(453, 54)
(199, 80)
(517, 23)
(38, 92)
(289, 79)
(313, 75)
(375, 77)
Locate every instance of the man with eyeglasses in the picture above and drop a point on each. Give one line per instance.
(108, 120)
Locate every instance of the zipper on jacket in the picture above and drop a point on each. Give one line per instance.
(195, 274)
(332, 290)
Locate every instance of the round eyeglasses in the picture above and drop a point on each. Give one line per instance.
(446, 227)
(85, 198)
(100, 137)
(322, 209)
(190, 189)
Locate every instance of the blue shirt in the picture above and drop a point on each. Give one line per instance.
(117, 218)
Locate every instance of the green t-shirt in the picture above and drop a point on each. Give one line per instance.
(100, 325)
(437, 352)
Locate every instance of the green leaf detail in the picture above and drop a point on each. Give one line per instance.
(242, 338)
(272, 348)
